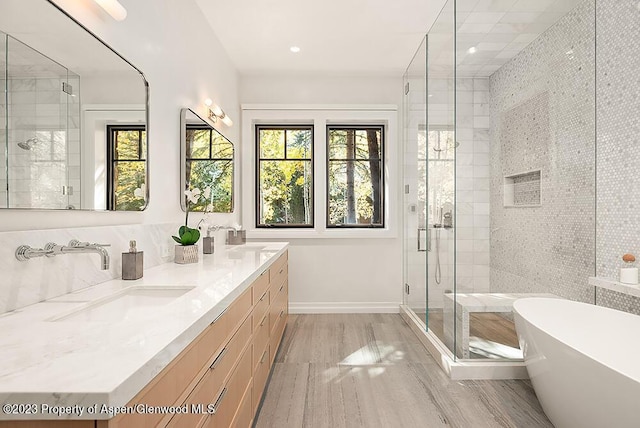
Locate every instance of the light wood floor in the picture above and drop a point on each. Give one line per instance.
(370, 370)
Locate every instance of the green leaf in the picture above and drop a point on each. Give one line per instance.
(188, 236)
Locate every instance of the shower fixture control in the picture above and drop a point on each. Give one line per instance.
(447, 220)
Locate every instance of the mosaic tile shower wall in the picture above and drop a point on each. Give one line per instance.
(542, 106)
(618, 139)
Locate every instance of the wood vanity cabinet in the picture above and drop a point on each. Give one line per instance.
(226, 366)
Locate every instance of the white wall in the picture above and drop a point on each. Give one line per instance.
(338, 275)
(174, 46)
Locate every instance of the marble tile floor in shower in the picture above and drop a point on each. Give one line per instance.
(370, 370)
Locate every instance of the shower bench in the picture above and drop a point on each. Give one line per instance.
(466, 303)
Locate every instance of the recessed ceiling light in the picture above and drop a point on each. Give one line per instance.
(472, 50)
(294, 49)
(430, 95)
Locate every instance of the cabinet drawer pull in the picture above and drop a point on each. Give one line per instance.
(264, 354)
(218, 358)
(263, 296)
(281, 313)
(281, 270)
(281, 287)
(219, 400)
(264, 271)
(221, 314)
(263, 319)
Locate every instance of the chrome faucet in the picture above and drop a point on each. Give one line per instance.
(76, 246)
(232, 228)
(25, 252)
(214, 227)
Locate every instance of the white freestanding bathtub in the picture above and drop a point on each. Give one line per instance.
(583, 361)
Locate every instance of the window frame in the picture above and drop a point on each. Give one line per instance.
(381, 160)
(259, 159)
(111, 131)
(188, 159)
(320, 115)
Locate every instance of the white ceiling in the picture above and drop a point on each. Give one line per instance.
(375, 37)
(371, 37)
(500, 29)
(47, 30)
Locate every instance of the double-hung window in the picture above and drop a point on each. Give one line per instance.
(284, 176)
(355, 179)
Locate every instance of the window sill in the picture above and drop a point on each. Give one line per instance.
(337, 233)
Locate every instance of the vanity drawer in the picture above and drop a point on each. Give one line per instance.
(274, 342)
(260, 285)
(277, 265)
(244, 415)
(230, 398)
(48, 424)
(278, 276)
(261, 309)
(280, 270)
(211, 384)
(220, 330)
(260, 340)
(279, 306)
(260, 375)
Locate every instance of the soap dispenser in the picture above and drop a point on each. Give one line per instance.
(132, 264)
(207, 242)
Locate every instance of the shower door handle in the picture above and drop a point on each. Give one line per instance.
(427, 233)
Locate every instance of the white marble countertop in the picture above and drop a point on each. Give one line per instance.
(79, 362)
(614, 285)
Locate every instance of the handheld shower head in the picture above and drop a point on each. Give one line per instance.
(29, 144)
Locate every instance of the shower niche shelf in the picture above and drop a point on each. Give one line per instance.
(522, 190)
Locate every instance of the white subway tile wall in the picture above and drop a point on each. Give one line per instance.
(39, 173)
(472, 186)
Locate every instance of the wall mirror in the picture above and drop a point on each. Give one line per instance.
(207, 161)
(73, 115)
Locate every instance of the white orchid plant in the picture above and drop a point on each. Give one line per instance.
(187, 235)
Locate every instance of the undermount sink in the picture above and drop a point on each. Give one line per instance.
(248, 247)
(125, 303)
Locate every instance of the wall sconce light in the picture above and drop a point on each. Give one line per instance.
(113, 8)
(215, 113)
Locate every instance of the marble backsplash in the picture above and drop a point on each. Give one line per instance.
(32, 281)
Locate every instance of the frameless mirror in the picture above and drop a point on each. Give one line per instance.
(207, 161)
(73, 115)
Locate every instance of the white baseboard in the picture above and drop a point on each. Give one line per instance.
(344, 307)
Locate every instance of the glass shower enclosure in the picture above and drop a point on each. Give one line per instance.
(430, 178)
(499, 169)
(39, 129)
